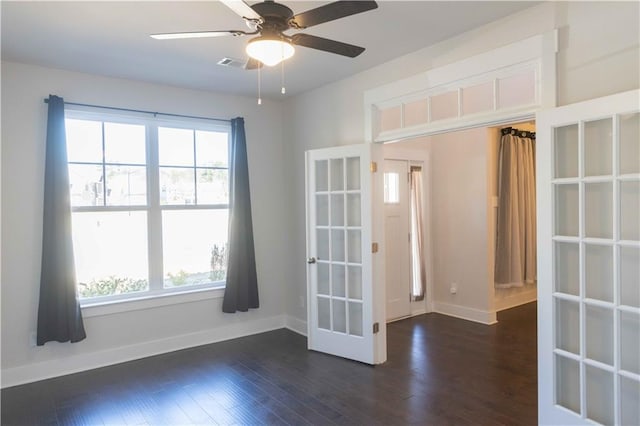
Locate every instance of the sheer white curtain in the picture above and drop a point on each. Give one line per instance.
(516, 229)
(418, 276)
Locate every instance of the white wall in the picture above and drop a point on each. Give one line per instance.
(598, 54)
(137, 333)
(458, 221)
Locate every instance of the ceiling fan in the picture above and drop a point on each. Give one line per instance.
(269, 20)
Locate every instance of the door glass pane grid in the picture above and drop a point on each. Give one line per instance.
(628, 147)
(566, 259)
(598, 147)
(338, 223)
(608, 314)
(343, 304)
(626, 209)
(629, 391)
(628, 270)
(568, 380)
(599, 389)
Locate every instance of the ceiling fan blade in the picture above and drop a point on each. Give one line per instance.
(327, 45)
(198, 34)
(330, 12)
(242, 9)
(253, 64)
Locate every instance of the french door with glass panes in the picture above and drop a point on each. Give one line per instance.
(588, 171)
(340, 289)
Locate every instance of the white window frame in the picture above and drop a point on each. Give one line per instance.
(157, 294)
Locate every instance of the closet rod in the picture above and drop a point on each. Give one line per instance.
(154, 113)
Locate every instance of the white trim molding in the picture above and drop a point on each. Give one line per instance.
(518, 298)
(466, 313)
(74, 364)
(296, 325)
(535, 56)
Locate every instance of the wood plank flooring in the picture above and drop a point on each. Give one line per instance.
(440, 371)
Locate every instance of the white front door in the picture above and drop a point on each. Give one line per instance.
(340, 278)
(588, 172)
(396, 236)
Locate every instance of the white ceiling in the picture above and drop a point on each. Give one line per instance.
(112, 38)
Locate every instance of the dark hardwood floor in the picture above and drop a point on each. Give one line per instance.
(440, 371)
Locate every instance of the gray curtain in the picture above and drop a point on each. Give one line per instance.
(418, 273)
(515, 262)
(59, 315)
(241, 292)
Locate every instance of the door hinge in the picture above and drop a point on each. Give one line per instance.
(373, 166)
(376, 327)
(374, 247)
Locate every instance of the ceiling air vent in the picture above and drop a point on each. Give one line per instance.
(231, 62)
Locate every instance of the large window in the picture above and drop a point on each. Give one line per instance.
(149, 201)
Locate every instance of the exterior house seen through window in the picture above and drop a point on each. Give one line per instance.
(149, 202)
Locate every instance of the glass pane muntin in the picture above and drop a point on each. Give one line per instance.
(338, 184)
(599, 307)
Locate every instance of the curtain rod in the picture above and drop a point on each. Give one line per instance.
(154, 113)
(518, 132)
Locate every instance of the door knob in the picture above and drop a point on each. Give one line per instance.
(311, 260)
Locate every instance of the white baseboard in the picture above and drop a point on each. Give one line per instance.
(296, 325)
(466, 313)
(517, 299)
(74, 364)
(417, 312)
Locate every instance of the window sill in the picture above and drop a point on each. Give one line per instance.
(97, 309)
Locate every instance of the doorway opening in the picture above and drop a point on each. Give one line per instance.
(459, 224)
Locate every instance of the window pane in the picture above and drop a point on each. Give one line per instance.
(84, 141)
(85, 182)
(124, 143)
(110, 252)
(213, 186)
(175, 146)
(212, 149)
(126, 185)
(194, 246)
(391, 188)
(177, 186)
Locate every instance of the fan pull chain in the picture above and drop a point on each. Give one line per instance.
(283, 90)
(259, 85)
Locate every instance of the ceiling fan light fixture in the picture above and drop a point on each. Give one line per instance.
(270, 51)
